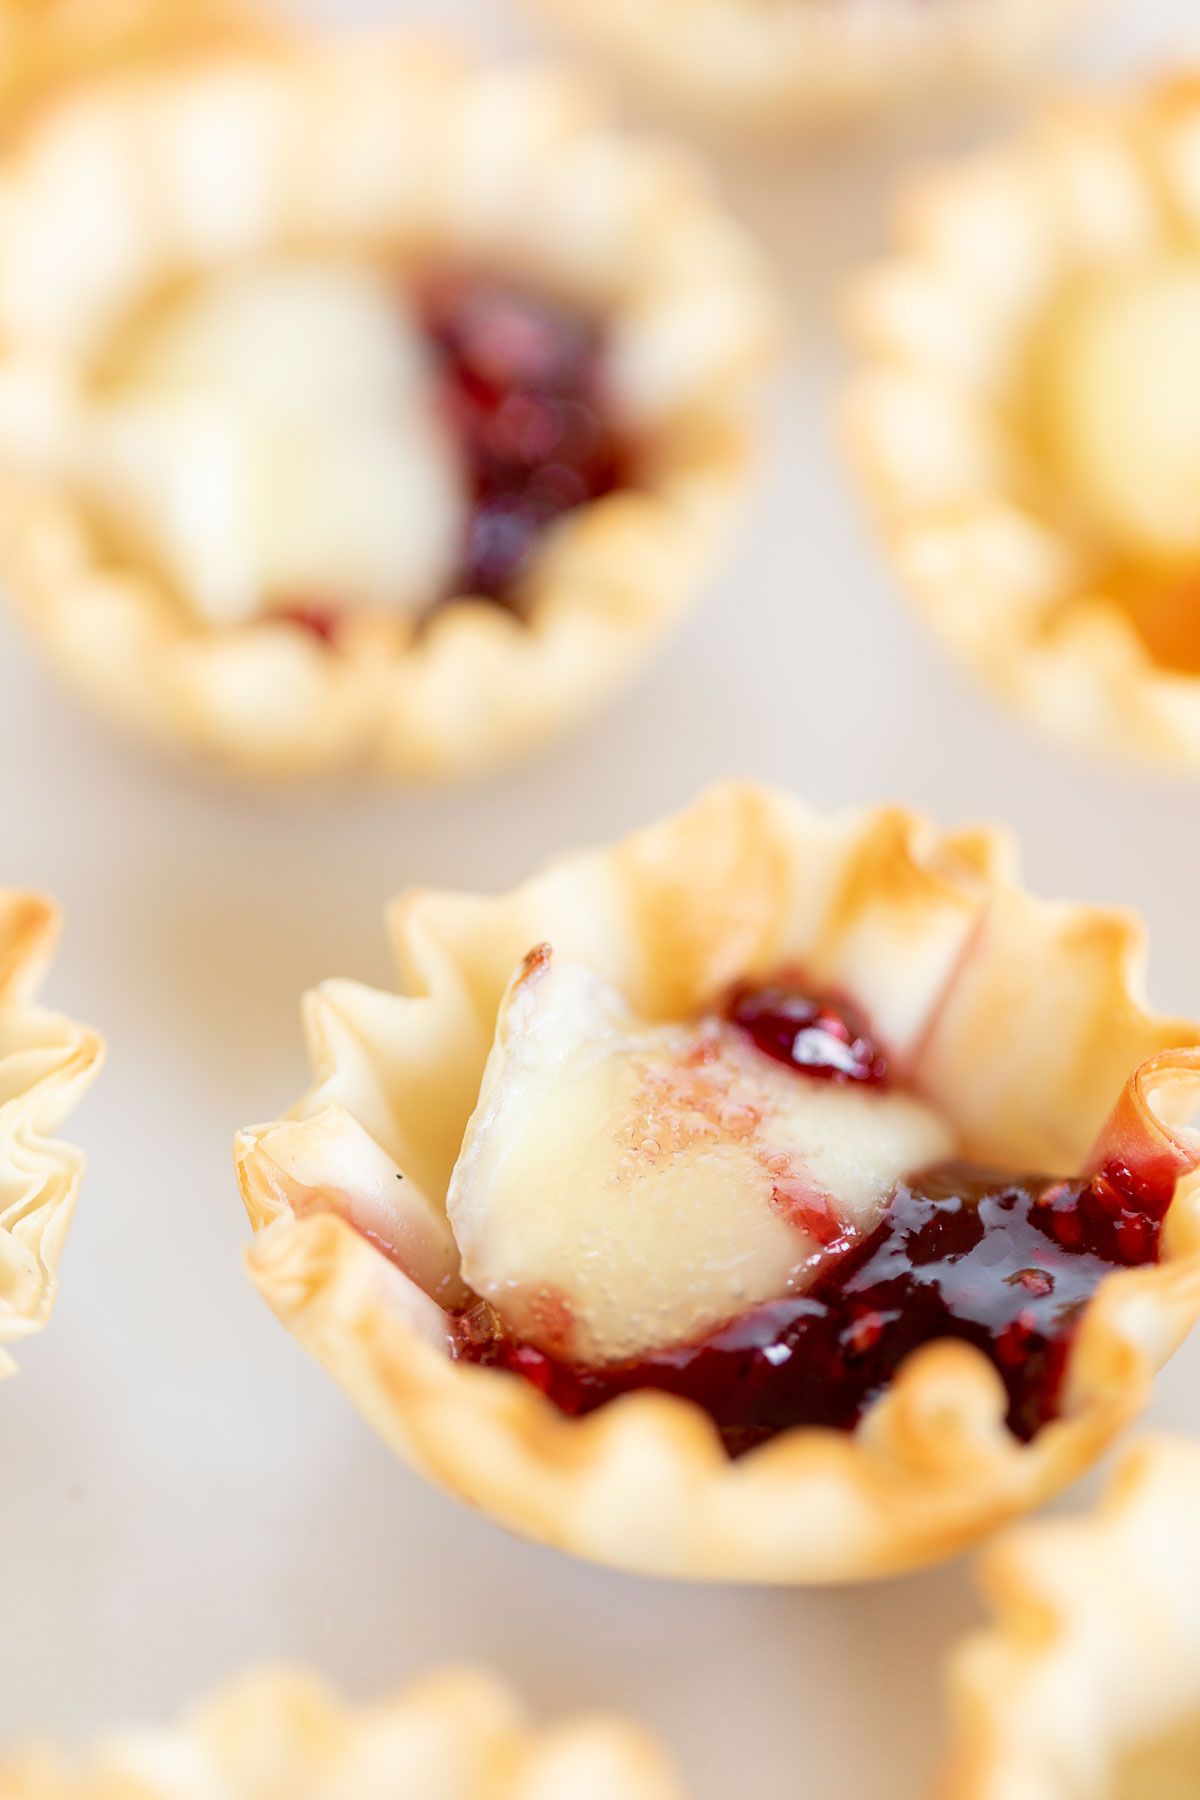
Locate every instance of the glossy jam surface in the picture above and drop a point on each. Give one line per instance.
(1005, 1263)
(522, 383)
(817, 1035)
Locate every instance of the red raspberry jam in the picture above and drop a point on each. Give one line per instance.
(1004, 1262)
(819, 1036)
(522, 380)
(1001, 1261)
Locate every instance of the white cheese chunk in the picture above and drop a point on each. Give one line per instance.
(272, 438)
(1122, 393)
(624, 1186)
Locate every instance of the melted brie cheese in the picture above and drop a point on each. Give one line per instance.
(272, 439)
(625, 1186)
(1121, 390)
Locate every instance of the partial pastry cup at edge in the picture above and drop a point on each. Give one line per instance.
(460, 1733)
(1086, 1683)
(46, 1063)
(779, 67)
(1015, 572)
(1025, 1023)
(364, 143)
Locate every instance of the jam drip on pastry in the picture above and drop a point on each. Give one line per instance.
(521, 377)
(1006, 1262)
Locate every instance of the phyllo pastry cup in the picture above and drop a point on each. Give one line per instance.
(1027, 422)
(730, 1106)
(1087, 1684)
(46, 1063)
(779, 64)
(362, 409)
(459, 1735)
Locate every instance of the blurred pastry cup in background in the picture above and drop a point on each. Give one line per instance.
(1087, 1684)
(46, 45)
(1027, 422)
(459, 1735)
(362, 409)
(46, 1063)
(678, 1212)
(779, 65)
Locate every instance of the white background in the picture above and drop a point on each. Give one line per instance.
(182, 1491)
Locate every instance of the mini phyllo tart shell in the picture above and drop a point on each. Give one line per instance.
(460, 1735)
(786, 63)
(1026, 424)
(1087, 1684)
(1019, 1020)
(396, 155)
(46, 1063)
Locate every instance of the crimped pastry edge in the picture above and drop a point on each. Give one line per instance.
(460, 1732)
(46, 1063)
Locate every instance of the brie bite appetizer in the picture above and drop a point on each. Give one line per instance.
(1027, 421)
(362, 410)
(768, 1197)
